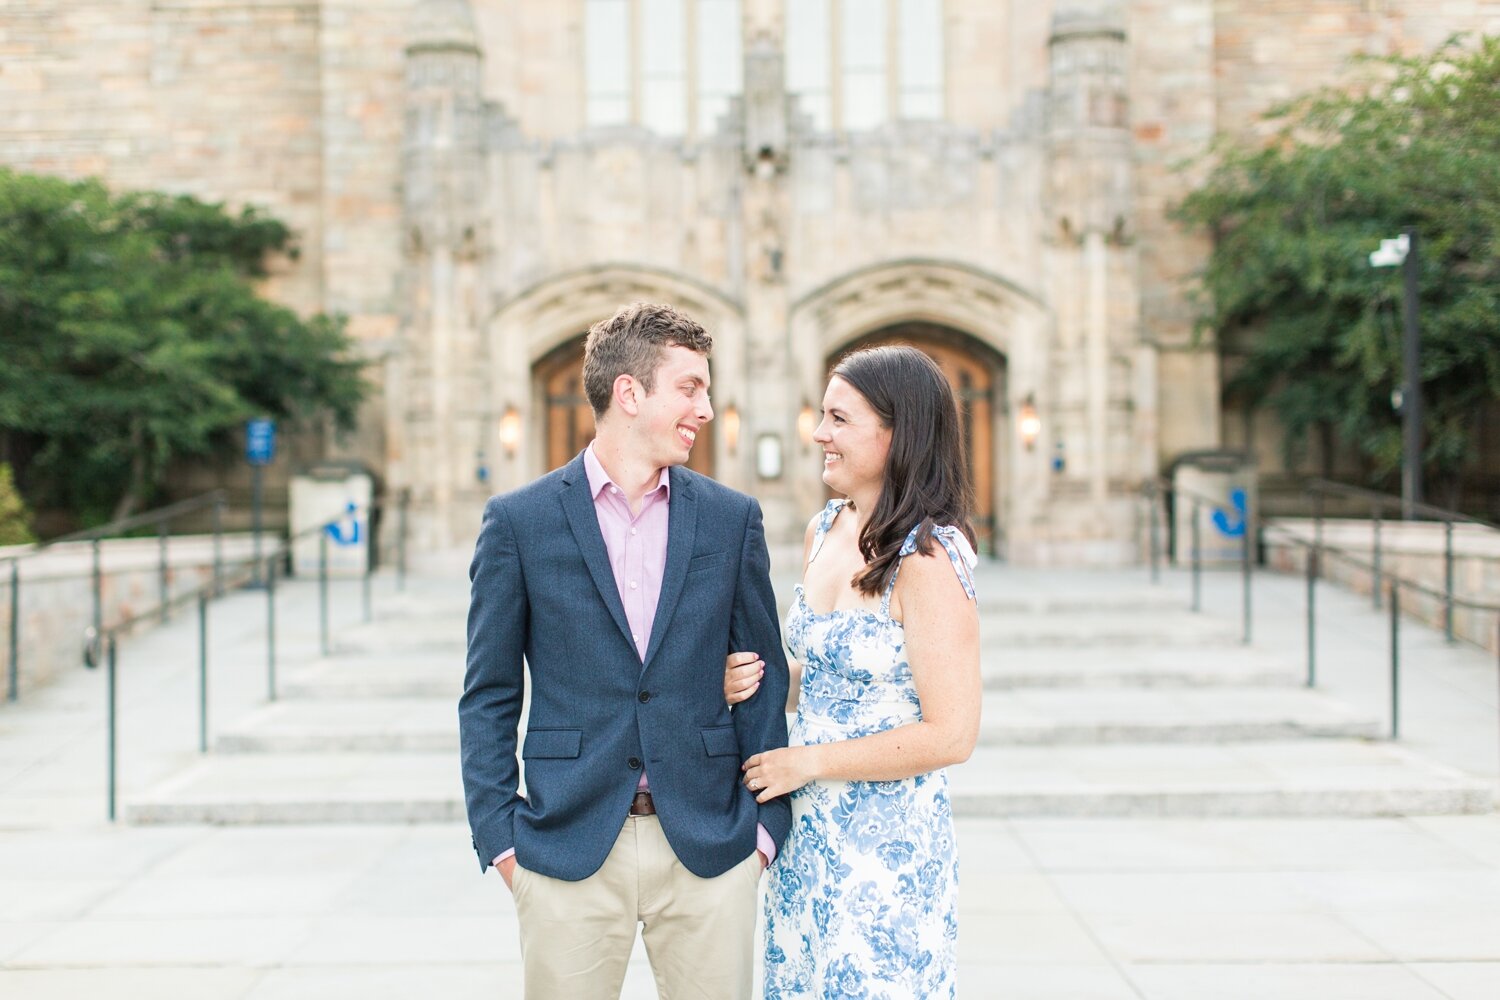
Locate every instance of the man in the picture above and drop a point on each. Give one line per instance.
(623, 579)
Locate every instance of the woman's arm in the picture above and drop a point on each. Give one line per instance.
(942, 645)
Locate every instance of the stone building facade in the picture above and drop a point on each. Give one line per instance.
(475, 182)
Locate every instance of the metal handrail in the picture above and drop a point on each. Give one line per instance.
(1330, 488)
(103, 644)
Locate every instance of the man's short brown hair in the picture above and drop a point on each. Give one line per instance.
(631, 342)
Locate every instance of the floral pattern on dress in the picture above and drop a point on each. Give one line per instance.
(861, 904)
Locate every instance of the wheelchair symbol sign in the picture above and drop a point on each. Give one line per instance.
(345, 531)
(1235, 527)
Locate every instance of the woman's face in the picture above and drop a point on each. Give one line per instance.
(855, 444)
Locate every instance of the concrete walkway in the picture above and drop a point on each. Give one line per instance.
(1157, 811)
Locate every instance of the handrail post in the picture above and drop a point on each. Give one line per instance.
(1395, 659)
(271, 627)
(219, 545)
(1448, 579)
(1153, 511)
(401, 540)
(1245, 569)
(110, 711)
(202, 672)
(1375, 557)
(369, 565)
(323, 589)
(1197, 561)
(98, 588)
(163, 587)
(14, 662)
(1312, 617)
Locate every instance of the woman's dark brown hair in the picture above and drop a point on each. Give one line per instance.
(926, 482)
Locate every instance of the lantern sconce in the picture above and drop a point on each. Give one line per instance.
(731, 420)
(807, 423)
(510, 431)
(1028, 423)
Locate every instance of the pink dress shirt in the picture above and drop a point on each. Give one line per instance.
(637, 547)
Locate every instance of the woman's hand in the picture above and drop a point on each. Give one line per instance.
(777, 772)
(742, 674)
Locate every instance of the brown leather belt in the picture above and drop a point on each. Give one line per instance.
(642, 805)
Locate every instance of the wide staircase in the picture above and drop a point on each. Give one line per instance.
(1104, 696)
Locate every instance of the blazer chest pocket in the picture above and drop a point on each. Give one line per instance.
(552, 743)
(707, 561)
(720, 741)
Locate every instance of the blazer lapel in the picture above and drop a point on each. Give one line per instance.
(682, 525)
(578, 504)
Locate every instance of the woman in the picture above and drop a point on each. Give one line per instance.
(862, 900)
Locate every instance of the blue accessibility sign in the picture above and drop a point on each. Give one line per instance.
(346, 530)
(1232, 527)
(260, 441)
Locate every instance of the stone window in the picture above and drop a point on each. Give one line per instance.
(669, 65)
(856, 64)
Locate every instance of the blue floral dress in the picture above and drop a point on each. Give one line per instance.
(862, 901)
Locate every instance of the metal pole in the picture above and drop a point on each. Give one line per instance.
(98, 586)
(1197, 563)
(202, 672)
(1245, 570)
(219, 546)
(323, 589)
(110, 688)
(163, 588)
(257, 487)
(1153, 511)
(1312, 617)
(14, 663)
(369, 572)
(1411, 393)
(1375, 558)
(401, 541)
(271, 627)
(1395, 659)
(1448, 579)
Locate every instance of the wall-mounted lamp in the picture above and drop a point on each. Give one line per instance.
(807, 423)
(731, 423)
(1028, 423)
(510, 431)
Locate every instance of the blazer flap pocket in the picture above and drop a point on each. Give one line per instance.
(720, 741)
(552, 743)
(707, 560)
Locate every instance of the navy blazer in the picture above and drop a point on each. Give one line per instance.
(543, 589)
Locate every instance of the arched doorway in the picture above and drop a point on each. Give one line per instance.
(977, 374)
(568, 420)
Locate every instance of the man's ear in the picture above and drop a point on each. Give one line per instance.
(627, 393)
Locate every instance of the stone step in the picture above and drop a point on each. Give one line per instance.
(1111, 629)
(414, 674)
(1304, 778)
(1139, 666)
(1271, 779)
(1165, 715)
(1045, 716)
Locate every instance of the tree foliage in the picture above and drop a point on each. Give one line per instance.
(15, 519)
(133, 335)
(1414, 141)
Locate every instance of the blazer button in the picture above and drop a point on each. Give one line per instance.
(644, 697)
(634, 763)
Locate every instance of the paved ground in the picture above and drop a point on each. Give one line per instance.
(1238, 899)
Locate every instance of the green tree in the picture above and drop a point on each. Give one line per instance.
(1413, 141)
(15, 519)
(133, 335)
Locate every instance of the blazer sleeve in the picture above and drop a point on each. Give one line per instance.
(494, 685)
(760, 721)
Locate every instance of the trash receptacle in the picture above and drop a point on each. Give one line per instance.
(337, 492)
(1223, 484)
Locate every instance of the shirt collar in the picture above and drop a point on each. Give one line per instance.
(598, 478)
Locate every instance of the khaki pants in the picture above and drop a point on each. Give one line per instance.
(576, 937)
